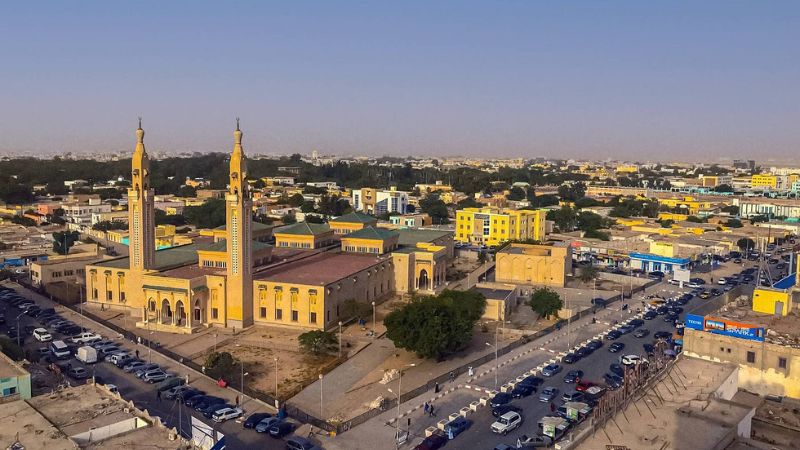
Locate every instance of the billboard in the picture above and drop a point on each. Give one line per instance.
(725, 327)
(683, 275)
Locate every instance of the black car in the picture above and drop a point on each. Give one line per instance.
(594, 344)
(532, 381)
(656, 275)
(636, 323)
(500, 399)
(613, 335)
(33, 311)
(280, 429)
(617, 370)
(613, 381)
(650, 315)
(671, 317)
(616, 347)
(661, 310)
(663, 335)
(253, 420)
(194, 400)
(649, 348)
(641, 332)
(522, 390)
(715, 292)
(432, 442)
(208, 401)
(186, 395)
(209, 410)
(571, 358)
(583, 352)
(502, 409)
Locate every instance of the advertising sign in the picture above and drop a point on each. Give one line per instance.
(572, 413)
(549, 429)
(681, 274)
(725, 327)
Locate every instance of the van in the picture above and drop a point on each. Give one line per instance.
(86, 354)
(59, 349)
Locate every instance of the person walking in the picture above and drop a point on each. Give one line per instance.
(452, 376)
(552, 407)
(137, 353)
(425, 407)
(158, 395)
(430, 411)
(436, 387)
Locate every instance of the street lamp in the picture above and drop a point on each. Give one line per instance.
(19, 332)
(496, 366)
(340, 339)
(374, 333)
(399, 392)
(276, 382)
(241, 363)
(321, 416)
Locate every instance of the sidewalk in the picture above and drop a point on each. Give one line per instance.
(455, 396)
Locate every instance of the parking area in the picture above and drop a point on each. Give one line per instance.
(65, 348)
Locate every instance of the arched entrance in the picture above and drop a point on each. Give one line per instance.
(180, 313)
(423, 280)
(151, 312)
(198, 313)
(166, 312)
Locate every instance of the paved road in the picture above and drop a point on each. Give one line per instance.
(142, 394)
(594, 367)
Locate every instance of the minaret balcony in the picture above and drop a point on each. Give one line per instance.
(232, 198)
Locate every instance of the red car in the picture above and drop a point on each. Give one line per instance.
(432, 442)
(584, 385)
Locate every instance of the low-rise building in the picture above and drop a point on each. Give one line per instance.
(534, 264)
(491, 226)
(352, 222)
(15, 382)
(411, 220)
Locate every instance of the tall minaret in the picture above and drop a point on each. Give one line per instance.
(141, 213)
(238, 214)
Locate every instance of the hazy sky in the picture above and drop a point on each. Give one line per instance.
(621, 79)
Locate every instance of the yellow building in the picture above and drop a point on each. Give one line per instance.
(491, 226)
(688, 203)
(226, 278)
(675, 217)
(626, 169)
(534, 264)
(764, 181)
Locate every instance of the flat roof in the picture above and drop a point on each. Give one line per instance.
(22, 423)
(493, 293)
(411, 236)
(320, 269)
(8, 368)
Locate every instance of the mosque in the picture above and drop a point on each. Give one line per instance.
(232, 278)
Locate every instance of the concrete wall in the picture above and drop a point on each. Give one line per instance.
(102, 433)
(534, 264)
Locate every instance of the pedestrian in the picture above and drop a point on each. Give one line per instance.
(452, 376)
(425, 407)
(203, 369)
(471, 371)
(436, 387)
(431, 411)
(552, 407)
(237, 400)
(139, 340)
(158, 395)
(137, 353)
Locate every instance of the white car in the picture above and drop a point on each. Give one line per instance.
(507, 422)
(42, 335)
(722, 281)
(632, 360)
(226, 414)
(673, 281)
(85, 338)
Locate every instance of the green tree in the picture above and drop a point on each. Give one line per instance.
(759, 218)
(162, 218)
(516, 193)
(210, 214)
(734, 223)
(696, 219)
(437, 326)
(745, 244)
(107, 225)
(589, 221)
(666, 223)
(730, 209)
(565, 218)
(296, 200)
(187, 191)
(468, 202)
(545, 302)
(435, 208)
(288, 219)
(318, 342)
(64, 240)
(588, 274)
(597, 234)
(220, 365)
(11, 349)
(723, 188)
(307, 207)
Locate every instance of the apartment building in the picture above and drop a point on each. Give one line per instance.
(491, 226)
(377, 202)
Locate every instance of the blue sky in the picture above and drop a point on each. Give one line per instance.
(623, 79)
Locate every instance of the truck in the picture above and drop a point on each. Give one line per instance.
(86, 354)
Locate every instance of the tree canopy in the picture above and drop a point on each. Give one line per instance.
(746, 244)
(545, 302)
(64, 240)
(210, 214)
(318, 342)
(436, 326)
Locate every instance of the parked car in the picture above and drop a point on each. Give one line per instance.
(532, 380)
(42, 335)
(528, 442)
(573, 396)
(79, 373)
(209, 411)
(617, 369)
(500, 399)
(170, 382)
(571, 358)
(629, 360)
(573, 376)
(551, 370)
(625, 329)
(265, 424)
(86, 338)
(613, 335)
(616, 347)
(548, 394)
(650, 315)
(134, 366)
(583, 386)
(584, 351)
(207, 401)
(144, 369)
(253, 419)
(226, 414)
(280, 429)
(175, 391)
(300, 443)
(86, 355)
(613, 381)
(507, 422)
(432, 442)
(458, 425)
(195, 400)
(502, 409)
(641, 332)
(594, 344)
(522, 390)
(155, 376)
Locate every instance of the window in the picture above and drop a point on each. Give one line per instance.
(278, 314)
(782, 363)
(262, 312)
(94, 293)
(214, 313)
(751, 357)
(108, 295)
(312, 318)
(294, 316)
(122, 296)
